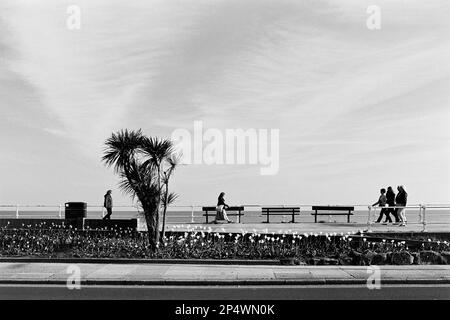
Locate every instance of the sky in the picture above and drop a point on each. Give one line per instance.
(356, 109)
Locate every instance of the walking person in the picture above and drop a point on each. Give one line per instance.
(221, 213)
(382, 201)
(401, 199)
(108, 204)
(390, 199)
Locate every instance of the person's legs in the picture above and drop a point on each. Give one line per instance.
(387, 212)
(396, 216)
(219, 213)
(108, 215)
(224, 213)
(380, 216)
(403, 216)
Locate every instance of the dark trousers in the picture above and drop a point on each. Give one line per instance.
(394, 212)
(384, 211)
(108, 215)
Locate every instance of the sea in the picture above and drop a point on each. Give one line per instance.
(195, 215)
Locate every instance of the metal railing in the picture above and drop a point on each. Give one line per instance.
(21, 209)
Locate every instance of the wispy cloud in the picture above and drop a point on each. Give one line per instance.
(339, 93)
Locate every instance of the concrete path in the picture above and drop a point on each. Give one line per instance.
(191, 274)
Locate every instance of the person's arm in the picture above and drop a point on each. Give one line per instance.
(376, 203)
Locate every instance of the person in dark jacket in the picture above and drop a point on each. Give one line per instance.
(108, 204)
(382, 201)
(221, 213)
(401, 200)
(390, 199)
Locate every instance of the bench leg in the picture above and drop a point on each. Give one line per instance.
(206, 216)
(239, 217)
(348, 218)
(315, 217)
(267, 217)
(293, 217)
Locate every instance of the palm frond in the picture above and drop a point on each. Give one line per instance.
(121, 147)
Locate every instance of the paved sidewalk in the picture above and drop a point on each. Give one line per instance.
(191, 274)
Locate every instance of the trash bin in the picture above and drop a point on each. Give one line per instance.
(75, 210)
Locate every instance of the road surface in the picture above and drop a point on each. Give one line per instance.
(336, 292)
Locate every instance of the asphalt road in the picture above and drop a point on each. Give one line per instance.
(322, 292)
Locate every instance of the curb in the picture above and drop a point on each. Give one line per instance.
(262, 282)
(142, 261)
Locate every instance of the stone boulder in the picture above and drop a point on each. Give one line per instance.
(329, 261)
(300, 262)
(358, 259)
(345, 260)
(379, 258)
(288, 261)
(446, 256)
(402, 258)
(416, 256)
(431, 257)
(314, 261)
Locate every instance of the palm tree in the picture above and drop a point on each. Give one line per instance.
(169, 198)
(142, 163)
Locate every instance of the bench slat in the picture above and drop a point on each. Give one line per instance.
(240, 208)
(270, 210)
(331, 214)
(333, 208)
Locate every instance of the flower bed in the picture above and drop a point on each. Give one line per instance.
(56, 242)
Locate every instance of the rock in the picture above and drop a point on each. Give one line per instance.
(431, 257)
(358, 258)
(288, 261)
(416, 256)
(345, 260)
(401, 258)
(329, 261)
(314, 261)
(379, 258)
(300, 262)
(446, 256)
(368, 256)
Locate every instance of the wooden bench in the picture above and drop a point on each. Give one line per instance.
(294, 211)
(238, 212)
(338, 211)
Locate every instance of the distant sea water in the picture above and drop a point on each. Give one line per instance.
(252, 216)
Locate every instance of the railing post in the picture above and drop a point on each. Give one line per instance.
(369, 219)
(17, 211)
(192, 214)
(420, 213)
(424, 220)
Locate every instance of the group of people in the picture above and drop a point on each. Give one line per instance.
(391, 203)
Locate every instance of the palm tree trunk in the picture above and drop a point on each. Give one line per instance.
(152, 227)
(166, 198)
(157, 235)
